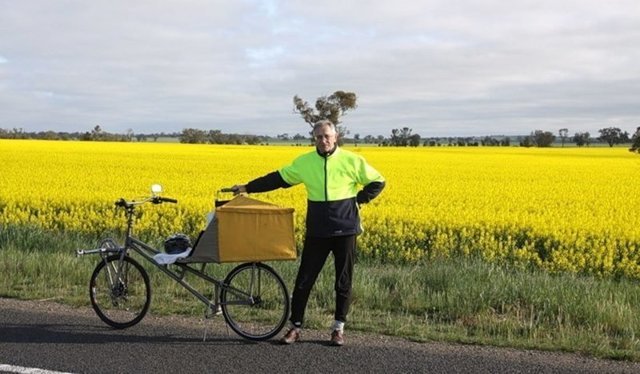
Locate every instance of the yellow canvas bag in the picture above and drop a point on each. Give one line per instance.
(245, 229)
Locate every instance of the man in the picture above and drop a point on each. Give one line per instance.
(333, 178)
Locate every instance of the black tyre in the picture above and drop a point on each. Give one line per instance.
(120, 292)
(255, 301)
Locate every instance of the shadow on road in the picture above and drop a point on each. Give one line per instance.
(89, 334)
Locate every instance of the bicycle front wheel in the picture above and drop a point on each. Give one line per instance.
(120, 292)
(255, 301)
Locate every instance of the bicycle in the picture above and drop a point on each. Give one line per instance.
(253, 298)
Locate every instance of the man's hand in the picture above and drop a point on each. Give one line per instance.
(239, 188)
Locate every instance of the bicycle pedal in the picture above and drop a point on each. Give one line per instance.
(211, 312)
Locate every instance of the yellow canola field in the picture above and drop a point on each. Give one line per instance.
(562, 209)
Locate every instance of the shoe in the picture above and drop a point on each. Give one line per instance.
(292, 336)
(337, 338)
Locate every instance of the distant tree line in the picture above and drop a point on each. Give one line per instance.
(197, 136)
(96, 134)
(538, 138)
(399, 137)
(403, 137)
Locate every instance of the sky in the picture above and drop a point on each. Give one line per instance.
(438, 67)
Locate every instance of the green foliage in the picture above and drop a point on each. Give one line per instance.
(542, 138)
(538, 138)
(331, 107)
(196, 136)
(403, 137)
(611, 135)
(193, 136)
(582, 138)
(563, 135)
(635, 145)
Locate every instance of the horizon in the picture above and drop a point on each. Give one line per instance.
(177, 134)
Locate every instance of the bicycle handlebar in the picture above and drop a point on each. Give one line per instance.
(158, 200)
(122, 203)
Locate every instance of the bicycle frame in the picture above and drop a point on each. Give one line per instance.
(147, 252)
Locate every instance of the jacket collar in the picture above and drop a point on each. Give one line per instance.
(328, 154)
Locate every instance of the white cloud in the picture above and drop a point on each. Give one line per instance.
(439, 67)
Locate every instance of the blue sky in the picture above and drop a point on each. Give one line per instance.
(441, 68)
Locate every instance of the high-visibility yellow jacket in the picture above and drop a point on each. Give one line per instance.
(336, 183)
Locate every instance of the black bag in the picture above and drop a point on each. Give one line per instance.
(177, 243)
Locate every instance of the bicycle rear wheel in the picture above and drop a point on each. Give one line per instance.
(120, 292)
(255, 301)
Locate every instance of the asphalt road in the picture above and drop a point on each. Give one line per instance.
(53, 337)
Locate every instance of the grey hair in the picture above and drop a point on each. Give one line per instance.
(324, 122)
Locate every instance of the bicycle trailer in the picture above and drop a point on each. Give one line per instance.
(246, 230)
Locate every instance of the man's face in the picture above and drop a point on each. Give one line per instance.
(325, 137)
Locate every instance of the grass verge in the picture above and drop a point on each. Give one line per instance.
(463, 300)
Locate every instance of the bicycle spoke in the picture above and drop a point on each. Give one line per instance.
(120, 297)
(260, 310)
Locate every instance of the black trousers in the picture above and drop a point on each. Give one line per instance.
(314, 256)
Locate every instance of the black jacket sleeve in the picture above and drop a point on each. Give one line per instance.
(369, 192)
(269, 182)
